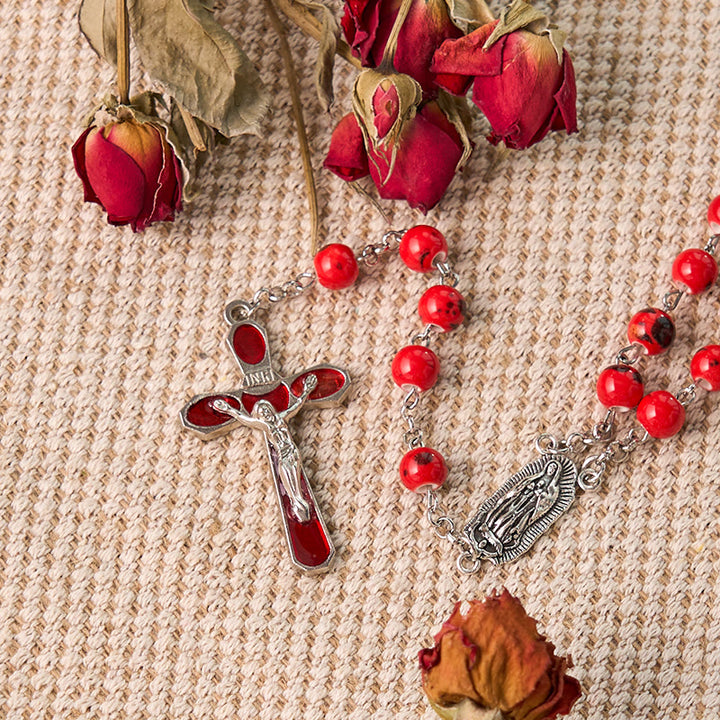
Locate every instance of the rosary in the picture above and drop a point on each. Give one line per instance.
(508, 523)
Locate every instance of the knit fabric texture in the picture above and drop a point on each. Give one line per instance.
(144, 573)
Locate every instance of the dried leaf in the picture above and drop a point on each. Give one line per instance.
(470, 13)
(519, 15)
(185, 148)
(199, 63)
(326, 56)
(97, 23)
(329, 34)
(409, 97)
(456, 110)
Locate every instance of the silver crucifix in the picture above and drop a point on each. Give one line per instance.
(266, 401)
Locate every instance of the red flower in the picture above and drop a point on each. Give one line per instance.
(494, 659)
(347, 156)
(129, 168)
(524, 81)
(367, 25)
(410, 148)
(429, 150)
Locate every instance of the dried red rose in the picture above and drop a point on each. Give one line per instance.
(524, 81)
(492, 662)
(129, 167)
(367, 25)
(411, 148)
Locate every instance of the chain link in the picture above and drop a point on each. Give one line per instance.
(615, 452)
(672, 299)
(630, 355)
(425, 336)
(448, 275)
(371, 253)
(445, 528)
(577, 442)
(239, 310)
(602, 435)
(712, 244)
(413, 436)
(292, 288)
(687, 395)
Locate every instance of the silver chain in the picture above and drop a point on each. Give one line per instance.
(616, 451)
(266, 296)
(445, 528)
(371, 254)
(448, 275)
(413, 436)
(242, 309)
(712, 244)
(629, 355)
(687, 395)
(424, 337)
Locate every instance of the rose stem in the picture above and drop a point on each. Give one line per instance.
(193, 131)
(123, 51)
(391, 45)
(291, 76)
(310, 25)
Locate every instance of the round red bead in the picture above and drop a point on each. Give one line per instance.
(713, 214)
(443, 306)
(705, 367)
(661, 414)
(416, 365)
(336, 266)
(653, 329)
(695, 271)
(423, 469)
(620, 386)
(421, 246)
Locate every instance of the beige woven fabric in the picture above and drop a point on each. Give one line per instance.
(143, 573)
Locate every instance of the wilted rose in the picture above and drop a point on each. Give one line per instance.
(411, 148)
(524, 81)
(129, 167)
(492, 662)
(367, 25)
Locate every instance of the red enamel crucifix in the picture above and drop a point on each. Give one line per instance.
(266, 401)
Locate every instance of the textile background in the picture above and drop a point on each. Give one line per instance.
(143, 573)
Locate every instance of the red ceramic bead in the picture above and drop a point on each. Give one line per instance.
(620, 387)
(705, 367)
(443, 306)
(420, 246)
(336, 266)
(694, 271)
(416, 365)
(653, 329)
(661, 414)
(713, 215)
(423, 469)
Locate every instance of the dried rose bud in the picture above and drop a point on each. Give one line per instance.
(524, 81)
(128, 166)
(492, 663)
(411, 148)
(367, 25)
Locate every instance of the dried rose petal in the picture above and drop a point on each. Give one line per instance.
(367, 25)
(524, 81)
(494, 657)
(130, 169)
